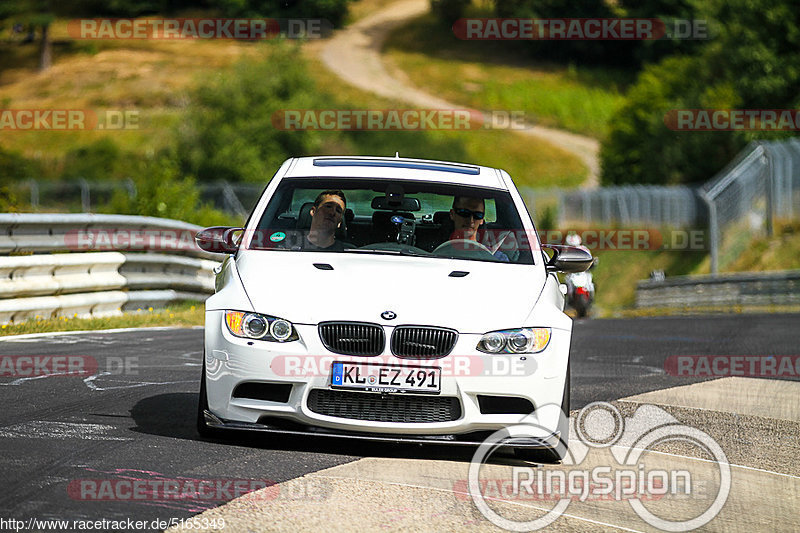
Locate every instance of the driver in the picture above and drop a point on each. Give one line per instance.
(467, 215)
(326, 218)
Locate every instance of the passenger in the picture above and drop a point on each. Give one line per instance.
(467, 215)
(326, 217)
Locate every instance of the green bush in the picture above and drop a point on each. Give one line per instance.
(334, 11)
(160, 192)
(97, 161)
(548, 220)
(15, 167)
(642, 149)
(448, 11)
(746, 66)
(228, 132)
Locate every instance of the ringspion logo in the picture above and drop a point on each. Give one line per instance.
(614, 458)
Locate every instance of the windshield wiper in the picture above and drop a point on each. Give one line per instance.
(388, 252)
(369, 251)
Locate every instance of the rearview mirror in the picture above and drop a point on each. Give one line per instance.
(387, 204)
(568, 259)
(219, 239)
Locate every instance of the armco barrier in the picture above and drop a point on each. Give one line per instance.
(145, 262)
(29, 232)
(739, 289)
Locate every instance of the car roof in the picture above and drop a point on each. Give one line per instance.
(396, 168)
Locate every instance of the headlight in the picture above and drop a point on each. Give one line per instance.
(522, 340)
(257, 326)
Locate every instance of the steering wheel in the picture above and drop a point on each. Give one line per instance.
(462, 244)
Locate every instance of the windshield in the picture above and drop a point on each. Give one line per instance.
(404, 218)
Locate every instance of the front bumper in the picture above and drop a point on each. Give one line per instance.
(470, 439)
(467, 375)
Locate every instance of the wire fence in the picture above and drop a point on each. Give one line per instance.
(760, 185)
(87, 196)
(649, 205)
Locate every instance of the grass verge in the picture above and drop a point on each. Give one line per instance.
(708, 310)
(531, 164)
(617, 272)
(154, 78)
(180, 314)
(495, 76)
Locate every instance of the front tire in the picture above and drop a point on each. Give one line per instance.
(202, 405)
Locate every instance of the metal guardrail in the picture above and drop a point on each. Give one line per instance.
(739, 289)
(115, 262)
(33, 232)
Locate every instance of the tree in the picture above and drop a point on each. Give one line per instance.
(228, 132)
(334, 11)
(747, 65)
(40, 14)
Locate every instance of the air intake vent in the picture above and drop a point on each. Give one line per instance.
(419, 342)
(398, 408)
(504, 405)
(270, 392)
(352, 338)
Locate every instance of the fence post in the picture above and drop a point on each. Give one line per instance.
(131, 186)
(86, 202)
(34, 186)
(231, 200)
(766, 158)
(713, 232)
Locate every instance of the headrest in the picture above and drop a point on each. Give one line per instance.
(304, 217)
(440, 217)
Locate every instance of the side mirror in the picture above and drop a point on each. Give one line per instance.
(219, 239)
(568, 259)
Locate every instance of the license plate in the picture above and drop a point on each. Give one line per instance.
(386, 378)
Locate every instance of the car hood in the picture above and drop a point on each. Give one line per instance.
(359, 287)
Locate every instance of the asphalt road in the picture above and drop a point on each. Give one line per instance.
(132, 418)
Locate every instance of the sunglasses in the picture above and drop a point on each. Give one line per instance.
(466, 213)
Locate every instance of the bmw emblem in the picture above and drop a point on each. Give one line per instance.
(388, 315)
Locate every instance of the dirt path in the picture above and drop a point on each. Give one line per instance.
(354, 54)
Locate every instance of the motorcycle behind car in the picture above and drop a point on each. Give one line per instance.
(580, 291)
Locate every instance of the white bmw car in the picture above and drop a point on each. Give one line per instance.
(388, 299)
